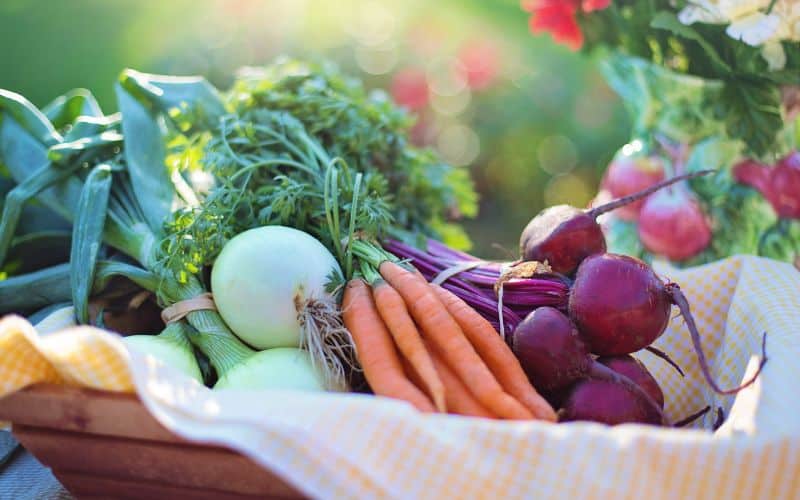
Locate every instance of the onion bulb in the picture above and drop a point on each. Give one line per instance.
(171, 347)
(280, 368)
(264, 278)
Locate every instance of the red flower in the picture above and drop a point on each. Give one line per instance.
(410, 88)
(558, 17)
(479, 61)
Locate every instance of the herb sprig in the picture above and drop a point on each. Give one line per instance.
(303, 146)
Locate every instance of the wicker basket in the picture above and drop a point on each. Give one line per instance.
(106, 445)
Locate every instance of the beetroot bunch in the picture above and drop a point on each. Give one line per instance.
(583, 310)
(617, 305)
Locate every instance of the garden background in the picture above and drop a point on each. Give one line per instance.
(534, 122)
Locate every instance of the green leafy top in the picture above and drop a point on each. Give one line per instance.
(369, 132)
(748, 102)
(306, 147)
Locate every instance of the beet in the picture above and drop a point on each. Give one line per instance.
(636, 371)
(608, 403)
(672, 224)
(564, 235)
(620, 306)
(556, 398)
(550, 350)
(754, 174)
(553, 356)
(785, 187)
(629, 174)
(780, 184)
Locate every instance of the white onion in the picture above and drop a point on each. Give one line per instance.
(280, 368)
(263, 277)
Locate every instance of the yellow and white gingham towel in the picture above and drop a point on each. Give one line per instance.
(356, 446)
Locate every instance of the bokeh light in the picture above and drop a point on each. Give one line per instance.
(458, 144)
(532, 121)
(376, 60)
(557, 154)
(568, 189)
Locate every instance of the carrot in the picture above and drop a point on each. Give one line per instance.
(496, 354)
(407, 339)
(375, 348)
(439, 326)
(459, 400)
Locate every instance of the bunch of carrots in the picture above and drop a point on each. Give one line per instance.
(420, 343)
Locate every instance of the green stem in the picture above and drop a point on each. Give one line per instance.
(177, 333)
(279, 161)
(369, 273)
(212, 335)
(108, 269)
(370, 253)
(335, 204)
(87, 233)
(331, 209)
(352, 229)
(283, 140)
(771, 5)
(318, 152)
(223, 349)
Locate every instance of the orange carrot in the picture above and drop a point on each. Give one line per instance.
(496, 354)
(375, 348)
(443, 332)
(407, 339)
(459, 400)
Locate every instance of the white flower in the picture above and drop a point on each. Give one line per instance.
(720, 11)
(754, 29)
(749, 22)
(774, 55)
(701, 11)
(789, 13)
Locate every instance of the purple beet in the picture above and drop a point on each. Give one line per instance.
(609, 403)
(564, 235)
(554, 357)
(550, 349)
(620, 306)
(636, 371)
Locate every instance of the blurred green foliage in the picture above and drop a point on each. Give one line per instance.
(540, 129)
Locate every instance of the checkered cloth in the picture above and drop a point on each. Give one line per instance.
(358, 446)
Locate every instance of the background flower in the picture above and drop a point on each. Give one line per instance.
(559, 18)
(759, 23)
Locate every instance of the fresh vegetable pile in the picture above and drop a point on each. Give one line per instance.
(615, 305)
(292, 238)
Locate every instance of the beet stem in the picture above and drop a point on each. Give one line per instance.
(661, 354)
(691, 418)
(598, 371)
(679, 299)
(627, 200)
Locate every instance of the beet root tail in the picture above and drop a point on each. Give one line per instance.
(679, 299)
(691, 418)
(661, 354)
(720, 419)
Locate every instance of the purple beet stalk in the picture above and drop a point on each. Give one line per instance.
(476, 286)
